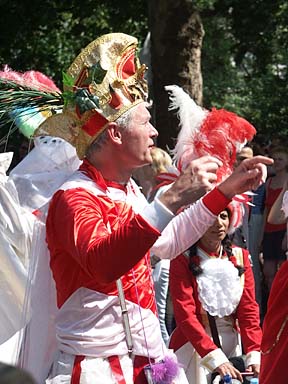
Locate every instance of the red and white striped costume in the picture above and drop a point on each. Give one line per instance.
(97, 232)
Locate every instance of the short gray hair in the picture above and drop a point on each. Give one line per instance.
(123, 121)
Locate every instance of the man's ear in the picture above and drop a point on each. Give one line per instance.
(114, 133)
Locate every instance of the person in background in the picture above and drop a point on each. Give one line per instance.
(147, 176)
(255, 235)
(151, 176)
(212, 288)
(21, 194)
(274, 347)
(245, 153)
(240, 236)
(150, 180)
(273, 254)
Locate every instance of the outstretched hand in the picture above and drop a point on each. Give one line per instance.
(247, 176)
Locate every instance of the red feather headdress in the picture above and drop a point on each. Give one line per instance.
(219, 133)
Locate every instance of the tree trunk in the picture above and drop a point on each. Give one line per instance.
(176, 40)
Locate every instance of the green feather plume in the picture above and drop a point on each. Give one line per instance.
(19, 104)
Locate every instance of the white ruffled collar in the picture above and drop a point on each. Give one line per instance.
(219, 286)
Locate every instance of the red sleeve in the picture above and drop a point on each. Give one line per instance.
(248, 311)
(216, 201)
(274, 346)
(77, 224)
(185, 307)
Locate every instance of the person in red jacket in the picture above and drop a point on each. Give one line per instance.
(274, 347)
(214, 279)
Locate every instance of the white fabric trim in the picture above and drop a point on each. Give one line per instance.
(213, 359)
(253, 357)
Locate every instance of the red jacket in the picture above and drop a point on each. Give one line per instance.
(274, 347)
(189, 313)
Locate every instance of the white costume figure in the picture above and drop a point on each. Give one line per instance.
(16, 225)
(29, 186)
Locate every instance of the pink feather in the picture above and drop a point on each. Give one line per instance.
(165, 371)
(31, 79)
(218, 133)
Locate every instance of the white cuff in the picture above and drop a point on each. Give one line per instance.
(213, 359)
(252, 357)
(157, 214)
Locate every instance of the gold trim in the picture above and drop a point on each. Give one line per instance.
(277, 338)
(80, 60)
(238, 253)
(124, 109)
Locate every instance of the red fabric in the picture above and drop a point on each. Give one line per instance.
(275, 357)
(126, 67)
(76, 372)
(218, 135)
(139, 363)
(94, 124)
(215, 201)
(85, 254)
(187, 310)
(115, 101)
(116, 369)
(89, 170)
(271, 197)
(80, 82)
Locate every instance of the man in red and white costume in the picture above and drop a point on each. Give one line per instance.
(100, 227)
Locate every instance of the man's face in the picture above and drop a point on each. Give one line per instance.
(138, 137)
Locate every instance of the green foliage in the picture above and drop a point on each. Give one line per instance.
(47, 35)
(244, 55)
(245, 61)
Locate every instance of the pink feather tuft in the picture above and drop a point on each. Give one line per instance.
(220, 135)
(31, 79)
(165, 371)
(8, 74)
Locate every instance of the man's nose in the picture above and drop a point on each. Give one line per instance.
(153, 131)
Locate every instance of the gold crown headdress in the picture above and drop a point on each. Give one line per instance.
(104, 81)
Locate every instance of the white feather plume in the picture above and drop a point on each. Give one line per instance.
(190, 116)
